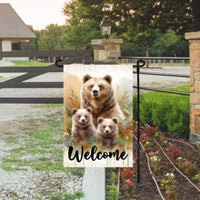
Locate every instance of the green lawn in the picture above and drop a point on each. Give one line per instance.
(184, 88)
(29, 63)
(160, 96)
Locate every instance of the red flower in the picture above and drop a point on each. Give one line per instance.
(162, 138)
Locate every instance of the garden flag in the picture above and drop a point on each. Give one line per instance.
(98, 116)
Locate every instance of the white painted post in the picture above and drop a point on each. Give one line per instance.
(94, 183)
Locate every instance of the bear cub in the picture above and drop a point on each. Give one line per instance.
(107, 132)
(82, 126)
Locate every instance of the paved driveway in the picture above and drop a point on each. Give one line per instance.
(163, 81)
(26, 111)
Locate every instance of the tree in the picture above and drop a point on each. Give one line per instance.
(176, 15)
(83, 39)
(52, 38)
(137, 21)
(166, 40)
(142, 13)
(80, 29)
(34, 43)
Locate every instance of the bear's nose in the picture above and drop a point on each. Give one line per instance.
(95, 92)
(106, 130)
(83, 120)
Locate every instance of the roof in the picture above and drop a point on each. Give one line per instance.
(11, 25)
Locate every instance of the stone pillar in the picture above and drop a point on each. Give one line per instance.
(194, 38)
(107, 50)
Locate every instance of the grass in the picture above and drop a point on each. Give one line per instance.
(59, 196)
(40, 147)
(29, 64)
(37, 143)
(184, 88)
(46, 105)
(158, 96)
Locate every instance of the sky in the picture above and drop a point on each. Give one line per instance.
(39, 13)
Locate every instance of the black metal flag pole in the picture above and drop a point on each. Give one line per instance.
(140, 63)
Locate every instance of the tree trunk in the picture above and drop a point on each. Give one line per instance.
(147, 55)
(173, 52)
(195, 15)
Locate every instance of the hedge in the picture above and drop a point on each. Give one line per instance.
(168, 112)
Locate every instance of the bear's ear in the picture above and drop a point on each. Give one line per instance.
(99, 120)
(89, 109)
(74, 110)
(86, 78)
(108, 78)
(115, 120)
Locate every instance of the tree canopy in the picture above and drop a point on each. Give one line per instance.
(140, 14)
(142, 24)
(138, 22)
(52, 38)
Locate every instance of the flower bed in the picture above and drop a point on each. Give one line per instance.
(175, 166)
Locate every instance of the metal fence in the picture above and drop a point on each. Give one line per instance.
(158, 61)
(78, 56)
(160, 90)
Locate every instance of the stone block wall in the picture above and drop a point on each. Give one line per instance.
(194, 38)
(107, 50)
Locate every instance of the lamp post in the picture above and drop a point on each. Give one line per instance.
(106, 50)
(105, 28)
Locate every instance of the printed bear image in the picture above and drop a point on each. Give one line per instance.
(98, 94)
(107, 131)
(82, 125)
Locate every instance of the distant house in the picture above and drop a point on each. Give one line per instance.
(15, 35)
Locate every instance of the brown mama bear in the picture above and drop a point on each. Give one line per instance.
(107, 132)
(82, 126)
(98, 94)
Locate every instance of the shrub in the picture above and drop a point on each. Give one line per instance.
(112, 192)
(177, 121)
(145, 110)
(159, 114)
(166, 111)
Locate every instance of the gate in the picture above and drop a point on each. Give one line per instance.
(62, 56)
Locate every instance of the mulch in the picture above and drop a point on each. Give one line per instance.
(146, 189)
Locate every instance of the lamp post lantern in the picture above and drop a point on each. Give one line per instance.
(105, 28)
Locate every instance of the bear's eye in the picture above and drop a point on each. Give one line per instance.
(91, 86)
(110, 127)
(101, 87)
(85, 117)
(104, 127)
(79, 116)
